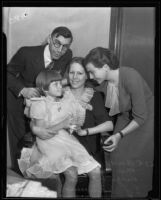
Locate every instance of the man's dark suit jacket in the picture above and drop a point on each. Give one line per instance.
(25, 66)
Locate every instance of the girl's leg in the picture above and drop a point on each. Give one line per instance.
(95, 186)
(71, 178)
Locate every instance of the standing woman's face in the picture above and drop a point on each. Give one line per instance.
(98, 74)
(77, 75)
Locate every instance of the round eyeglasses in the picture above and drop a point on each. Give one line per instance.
(57, 44)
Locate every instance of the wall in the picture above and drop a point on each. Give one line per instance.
(25, 26)
(30, 26)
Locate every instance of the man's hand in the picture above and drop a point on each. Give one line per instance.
(29, 93)
(64, 82)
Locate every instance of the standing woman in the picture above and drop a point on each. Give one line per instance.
(131, 100)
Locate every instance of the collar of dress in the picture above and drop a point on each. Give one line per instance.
(85, 98)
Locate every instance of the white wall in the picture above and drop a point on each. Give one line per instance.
(26, 26)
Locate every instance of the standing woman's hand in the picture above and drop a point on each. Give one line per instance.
(112, 142)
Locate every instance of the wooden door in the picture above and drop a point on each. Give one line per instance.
(132, 38)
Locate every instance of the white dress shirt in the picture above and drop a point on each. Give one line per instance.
(47, 56)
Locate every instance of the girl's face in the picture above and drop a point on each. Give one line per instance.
(98, 74)
(77, 75)
(55, 89)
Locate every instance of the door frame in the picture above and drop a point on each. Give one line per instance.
(115, 30)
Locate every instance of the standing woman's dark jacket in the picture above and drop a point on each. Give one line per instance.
(132, 160)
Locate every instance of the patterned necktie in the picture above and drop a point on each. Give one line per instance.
(51, 65)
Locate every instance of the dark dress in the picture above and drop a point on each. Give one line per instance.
(93, 118)
(132, 160)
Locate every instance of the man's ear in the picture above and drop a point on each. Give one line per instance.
(49, 38)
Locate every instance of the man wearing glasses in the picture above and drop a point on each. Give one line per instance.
(21, 73)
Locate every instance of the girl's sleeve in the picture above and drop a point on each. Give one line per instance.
(135, 86)
(100, 113)
(38, 110)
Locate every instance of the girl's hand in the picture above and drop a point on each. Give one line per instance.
(82, 132)
(113, 141)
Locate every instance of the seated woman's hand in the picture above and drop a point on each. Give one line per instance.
(42, 133)
(111, 143)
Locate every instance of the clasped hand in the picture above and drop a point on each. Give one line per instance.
(113, 140)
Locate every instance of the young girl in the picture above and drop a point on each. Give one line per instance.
(62, 150)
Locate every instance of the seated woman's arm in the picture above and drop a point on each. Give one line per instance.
(101, 118)
(104, 127)
(39, 129)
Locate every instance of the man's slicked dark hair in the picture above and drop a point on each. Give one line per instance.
(64, 31)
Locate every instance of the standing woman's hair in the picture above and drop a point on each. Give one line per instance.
(100, 56)
(45, 77)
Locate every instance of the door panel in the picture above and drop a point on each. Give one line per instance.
(132, 38)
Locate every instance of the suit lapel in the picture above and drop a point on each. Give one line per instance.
(39, 61)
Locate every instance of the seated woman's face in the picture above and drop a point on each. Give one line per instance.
(77, 76)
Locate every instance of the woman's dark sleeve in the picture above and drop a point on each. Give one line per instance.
(99, 111)
(134, 85)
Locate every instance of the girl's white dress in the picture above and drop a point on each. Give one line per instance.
(63, 150)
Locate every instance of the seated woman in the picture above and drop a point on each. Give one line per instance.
(100, 122)
(56, 154)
